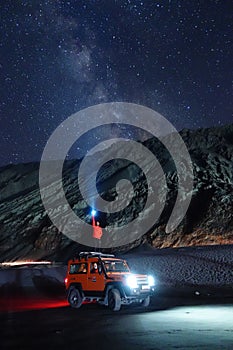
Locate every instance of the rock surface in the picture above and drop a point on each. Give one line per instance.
(27, 232)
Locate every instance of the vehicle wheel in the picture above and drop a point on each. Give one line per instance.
(74, 298)
(114, 299)
(146, 302)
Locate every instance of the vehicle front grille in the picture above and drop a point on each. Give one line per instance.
(142, 280)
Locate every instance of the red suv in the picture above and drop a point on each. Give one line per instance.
(103, 278)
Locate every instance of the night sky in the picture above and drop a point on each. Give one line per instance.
(57, 57)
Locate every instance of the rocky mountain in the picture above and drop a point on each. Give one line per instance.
(26, 231)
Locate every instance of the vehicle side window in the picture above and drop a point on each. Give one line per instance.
(94, 268)
(78, 268)
(107, 267)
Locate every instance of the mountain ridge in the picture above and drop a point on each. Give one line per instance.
(27, 232)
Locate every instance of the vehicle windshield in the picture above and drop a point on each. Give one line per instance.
(116, 266)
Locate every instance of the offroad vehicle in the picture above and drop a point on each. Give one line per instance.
(107, 280)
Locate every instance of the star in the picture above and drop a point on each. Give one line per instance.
(58, 57)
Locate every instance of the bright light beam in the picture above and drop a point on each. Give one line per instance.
(93, 212)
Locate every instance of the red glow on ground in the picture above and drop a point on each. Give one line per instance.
(12, 303)
(16, 304)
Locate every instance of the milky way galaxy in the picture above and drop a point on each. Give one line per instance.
(58, 57)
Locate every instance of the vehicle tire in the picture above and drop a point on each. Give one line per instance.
(146, 301)
(75, 298)
(114, 299)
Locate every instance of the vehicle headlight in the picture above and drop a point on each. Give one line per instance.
(132, 281)
(151, 281)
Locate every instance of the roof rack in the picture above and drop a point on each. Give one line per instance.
(95, 254)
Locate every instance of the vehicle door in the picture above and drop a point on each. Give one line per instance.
(96, 278)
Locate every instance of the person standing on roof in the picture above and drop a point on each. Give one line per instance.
(97, 233)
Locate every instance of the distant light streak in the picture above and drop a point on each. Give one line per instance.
(23, 262)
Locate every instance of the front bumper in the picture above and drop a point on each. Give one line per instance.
(140, 292)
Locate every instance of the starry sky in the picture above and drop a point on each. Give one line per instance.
(58, 57)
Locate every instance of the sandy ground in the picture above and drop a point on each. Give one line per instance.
(191, 309)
